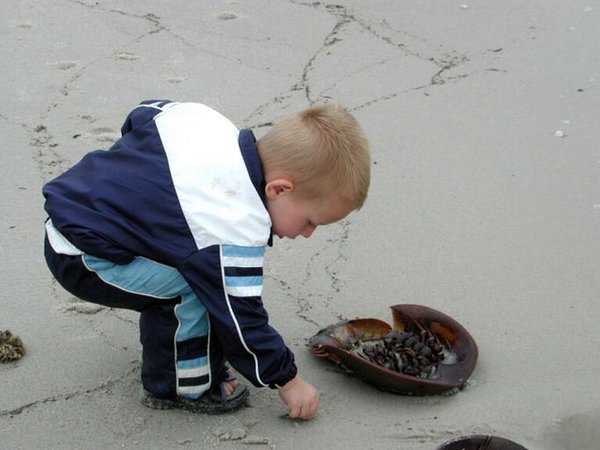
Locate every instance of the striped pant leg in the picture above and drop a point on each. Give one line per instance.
(174, 325)
(175, 338)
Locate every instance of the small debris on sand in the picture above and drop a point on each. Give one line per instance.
(256, 440)
(229, 434)
(559, 134)
(227, 15)
(11, 347)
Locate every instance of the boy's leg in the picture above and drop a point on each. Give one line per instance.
(174, 325)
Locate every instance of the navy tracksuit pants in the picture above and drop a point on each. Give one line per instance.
(181, 357)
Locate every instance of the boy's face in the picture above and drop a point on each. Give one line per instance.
(293, 215)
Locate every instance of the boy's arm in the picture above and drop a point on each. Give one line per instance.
(228, 280)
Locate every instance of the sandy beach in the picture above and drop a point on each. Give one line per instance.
(484, 122)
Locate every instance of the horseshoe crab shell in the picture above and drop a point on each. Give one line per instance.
(480, 442)
(336, 343)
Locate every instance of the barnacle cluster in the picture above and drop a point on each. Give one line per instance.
(408, 352)
(11, 347)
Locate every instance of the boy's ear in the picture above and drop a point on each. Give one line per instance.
(274, 188)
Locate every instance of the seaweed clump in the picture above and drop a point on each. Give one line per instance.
(11, 347)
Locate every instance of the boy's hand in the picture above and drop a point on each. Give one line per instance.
(302, 398)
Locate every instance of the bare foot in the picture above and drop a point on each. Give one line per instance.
(229, 387)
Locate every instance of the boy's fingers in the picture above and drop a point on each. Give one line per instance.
(300, 413)
(294, 412)
(305, 413)
(311, 410)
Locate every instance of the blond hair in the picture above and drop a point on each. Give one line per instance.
(322, 147)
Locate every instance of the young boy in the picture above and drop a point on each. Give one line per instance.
(173, 222)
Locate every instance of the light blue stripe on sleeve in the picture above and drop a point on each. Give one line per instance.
(243, 281)
(248, 252)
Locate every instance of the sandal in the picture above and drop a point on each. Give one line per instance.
(212, 402)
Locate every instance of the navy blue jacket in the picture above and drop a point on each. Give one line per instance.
(183, 187)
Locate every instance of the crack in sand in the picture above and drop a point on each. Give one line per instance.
(159, 26)
(49, 161)
(445, 60)
(330, 39)
(446, 63)
(303, 85)
(150, 17)
(335, 282)
(68, 396)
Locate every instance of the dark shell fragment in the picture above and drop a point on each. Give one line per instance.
(480, 442)
(425, 352)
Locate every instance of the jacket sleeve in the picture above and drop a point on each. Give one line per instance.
(228, 280)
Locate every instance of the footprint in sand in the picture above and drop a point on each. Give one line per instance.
(87, 117)
(174, 80)
(126, 56)
(64, 65)
(104, 134)
(227, 15)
